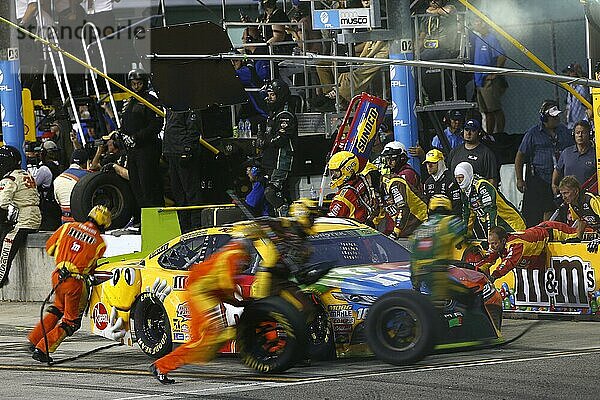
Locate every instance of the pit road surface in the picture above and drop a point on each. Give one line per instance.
(555, 360)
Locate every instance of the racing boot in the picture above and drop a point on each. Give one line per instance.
(40, 356)
(162, 378)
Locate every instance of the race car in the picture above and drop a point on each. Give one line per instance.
(142, 302)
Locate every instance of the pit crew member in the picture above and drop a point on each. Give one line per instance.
(481, 200)
(76, 247)
(403, 205)
(584, 208)
(395, 160)
(441, 181)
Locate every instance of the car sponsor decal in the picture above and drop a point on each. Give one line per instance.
(100, 316)
(159, 250)
(179, 282)
(183, 311)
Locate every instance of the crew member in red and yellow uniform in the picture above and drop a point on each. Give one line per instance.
(354, 198)
(525, 249)
(212, 282)
(209, 283)
(76, 247)
(405, 208)
(584, 208)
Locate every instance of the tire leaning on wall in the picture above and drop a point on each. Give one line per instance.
(105, 188)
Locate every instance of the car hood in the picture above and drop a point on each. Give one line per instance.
(367, 279)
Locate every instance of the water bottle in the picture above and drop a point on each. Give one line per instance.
(314, 194)
(248, 128)
(240, 128)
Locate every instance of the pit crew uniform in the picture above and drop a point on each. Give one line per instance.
(209, 283)
(403, 205)
(587, 210)
(490, 207)
(432, 246)
(526, 249)
(354, 200)
(18, 195)
(443, 183)
(75, 247)
(63, 187)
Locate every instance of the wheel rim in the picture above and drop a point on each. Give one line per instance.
(399, 328)
(111, 197)
(318, 330)
(154, 327)
(266, 340)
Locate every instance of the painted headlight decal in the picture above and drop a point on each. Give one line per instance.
(362, 299)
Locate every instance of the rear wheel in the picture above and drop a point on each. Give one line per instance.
(150, 326)
(271, 335)
(400, 327)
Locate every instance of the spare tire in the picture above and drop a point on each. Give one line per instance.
(104, 188)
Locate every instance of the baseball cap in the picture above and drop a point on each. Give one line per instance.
(48, 145)
(553, 111)
(456, 115)
(433, 156)
(79, 156)
(472, 125)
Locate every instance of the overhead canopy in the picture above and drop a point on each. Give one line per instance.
(194, 84)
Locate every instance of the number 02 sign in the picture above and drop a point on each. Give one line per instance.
(406, 45)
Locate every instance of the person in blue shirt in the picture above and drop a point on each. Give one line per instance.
(453, 131)
(490, 87)
(540, 149)
(255, 200)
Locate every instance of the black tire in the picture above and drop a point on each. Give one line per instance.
(150, 326)
(257, 321)
(104, 188)
(401, 327)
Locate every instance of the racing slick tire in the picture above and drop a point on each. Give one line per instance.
(271, 335)
(400, 327)
(104, 188)
(150, 326)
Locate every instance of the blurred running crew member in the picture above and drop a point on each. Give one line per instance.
(353, 198)
(76, 247)
(522, 249)
(482, 201)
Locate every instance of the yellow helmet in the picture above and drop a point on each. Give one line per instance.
(440, 202)
(304, 211)
(101, 216)
(343, 166)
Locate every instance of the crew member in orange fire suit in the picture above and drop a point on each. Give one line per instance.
(525, 249)
(75, 246)
(209, 283)
(354, 198)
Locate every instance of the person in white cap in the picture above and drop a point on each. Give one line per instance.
(441, 180)
(482, 200)
(540, 149)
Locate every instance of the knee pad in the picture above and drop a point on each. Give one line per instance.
(53, 310)
(71, 329)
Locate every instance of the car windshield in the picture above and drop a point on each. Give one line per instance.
(356, 247)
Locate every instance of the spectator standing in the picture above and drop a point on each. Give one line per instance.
(578, 160)
(100, 12)
(256, 109)
(65, 182)
(575, 109)
(277, 145)
(252, 39)
(540, 148)
(453, 132)
(483, 202)
(19, 204)
(439, 31)
(490, 87)
(481, 158)
(441, 181)
(275, 33)
(76, 247)
(140, 127)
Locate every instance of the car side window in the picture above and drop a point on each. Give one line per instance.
(191, 251)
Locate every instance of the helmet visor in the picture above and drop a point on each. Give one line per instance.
(335, 174)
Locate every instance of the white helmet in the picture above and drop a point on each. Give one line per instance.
(393, 149)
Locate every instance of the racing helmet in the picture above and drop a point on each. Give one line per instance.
(304, 212)
(101, 216)
(280, 88)
(395, 151)
(10, 159)
(138, 74)
(343, 165)
(440, 203)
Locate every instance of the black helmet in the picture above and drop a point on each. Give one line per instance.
(138, 74)
(280, 88)
(10, 159)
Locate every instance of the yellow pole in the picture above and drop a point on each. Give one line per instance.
(56, 48)
(524, 50)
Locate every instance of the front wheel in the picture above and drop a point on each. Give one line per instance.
(150, 326)
(271, 335)
(401, 327)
